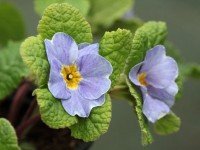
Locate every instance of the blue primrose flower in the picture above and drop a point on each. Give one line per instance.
(79, 76)
(156, 78)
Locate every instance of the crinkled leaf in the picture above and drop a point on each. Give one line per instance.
(115, 47)
(147, 36)
(52, 111)
(168, 124)
(34, 56)
(67, 19)
(137, 103)
(12, 24)
(8, 138)
(106, 12)
(12, 69)
(91, 128)
(82, 5)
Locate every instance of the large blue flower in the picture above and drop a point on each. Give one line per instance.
(79, 76)
(156, 77)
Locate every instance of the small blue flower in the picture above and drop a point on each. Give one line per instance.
(156, 77)
(79, 76)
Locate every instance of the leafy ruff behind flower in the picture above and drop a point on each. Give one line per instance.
(79, 76)
(156, 77)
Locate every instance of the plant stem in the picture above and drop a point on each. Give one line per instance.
(30, 110)
(22, 127)
(17, 101)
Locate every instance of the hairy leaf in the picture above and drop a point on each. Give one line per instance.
(168, 124)
(34, 56)
(8, 138)
(146, 37)
(137, 103)
(52, 111)
(115, 47)
(67, 19)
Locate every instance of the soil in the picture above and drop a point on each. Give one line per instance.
(45, 138)
(40, 135)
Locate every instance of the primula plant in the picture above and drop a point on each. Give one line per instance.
(59, 85)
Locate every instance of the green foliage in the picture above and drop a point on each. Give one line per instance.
(64, 18)
(146, 37)
(168, 124)
(34, 56)
(115, 47)
(82, 5)
(52, 111)
(12, 24)
(8, 138)
(129, 24)
(91, 128)
(12, 69)
(105, 12)
(143, 122)
(190, 70)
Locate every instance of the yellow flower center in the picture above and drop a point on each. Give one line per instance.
(141, 79)
(71, 76)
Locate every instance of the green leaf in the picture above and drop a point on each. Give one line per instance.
(67, 19)
(82, 5)
(115, 47)
(106, 12)
(91, 128)
(12, 24)
(52, 111)
(12, 69)
(8, 138)
(129, 24)
(34, 56)
(137, 103)
(191, 70)
(168, 124)
(146, 37)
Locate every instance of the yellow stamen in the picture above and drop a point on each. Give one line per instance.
(71, 76)
(141, 79)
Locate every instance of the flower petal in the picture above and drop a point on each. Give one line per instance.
(163, 74)
(161, 70)
(154, 109)
(166, 95)
(85, 49)
(153, 57)
(82, 45)
(91, 65)
(65, 48)
(77, 105)
(133, 74)
(50, 50)
(94, 87)
(56, 84)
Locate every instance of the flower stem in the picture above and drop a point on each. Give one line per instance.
(30, 110)
(17, 101)
(22, 127)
